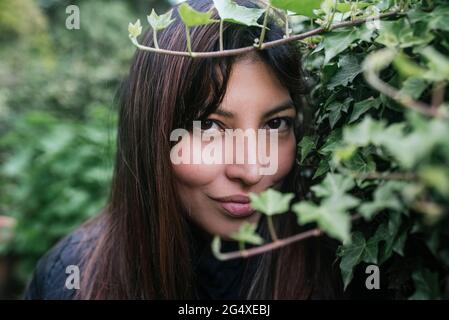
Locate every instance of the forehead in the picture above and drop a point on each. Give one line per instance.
(253, 85)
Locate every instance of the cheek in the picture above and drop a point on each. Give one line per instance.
(196, 175)
(190, 174)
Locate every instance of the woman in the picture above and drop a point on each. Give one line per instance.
(153, 239)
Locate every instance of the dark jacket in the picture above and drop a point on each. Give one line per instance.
(49, 278)
(217, 280)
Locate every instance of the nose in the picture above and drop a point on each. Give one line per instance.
(246, 174)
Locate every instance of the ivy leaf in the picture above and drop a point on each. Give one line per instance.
(193, 18)
(216, 246)
(426, 284)
(400, 34)
(230, 11)
(364, 133)
(333, 142)
(306, 146)
(338, 41)
(348, 6)
(247, 233)
(160, 22)
(348, 69)
(357, 161)
(323, 167)
(303, 7)
(333, 185)
(135, 29)
(385, 197)
(335, 223)
(414, 87)
(351, 256)
(438, 64)
(362, 107)
(335, 109)
(331, 215)
(360, 250)
(271, 202)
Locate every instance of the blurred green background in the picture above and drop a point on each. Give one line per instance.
(57, 121)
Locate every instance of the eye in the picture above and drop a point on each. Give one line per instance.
(280, 124)
(210, 125)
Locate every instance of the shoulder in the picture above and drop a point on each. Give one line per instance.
(49, 278)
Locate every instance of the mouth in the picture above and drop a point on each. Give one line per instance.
(236, 206)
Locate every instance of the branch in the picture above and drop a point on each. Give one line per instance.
(266, 45)
(274, 245)
(375, 63)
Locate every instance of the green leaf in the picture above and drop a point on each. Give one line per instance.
(414, 87)
(438, 64)
(436, 177)
(434, 20)
(193, 18)
(271, 202)
(333, 184)
(232, 12)
(351, 255)
(426, 285)
(407, 67)
(359, 163)
(216, 246)
(349, 68)
(385, 197)
(323, 167)
(360, 250)
(333, 141)
(160, 22)
(338, 41)
(306, 146)
(400, 34)
(335, 223)
(362, 107)
(135, 29)
(303, 7)
(332, 214)
(247, 233)
(335, 109)
(348, 6)
(364, 133)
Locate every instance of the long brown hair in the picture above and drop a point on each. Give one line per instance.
(143, 248)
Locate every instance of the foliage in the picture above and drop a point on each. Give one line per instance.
(57, 121)
(377, 150)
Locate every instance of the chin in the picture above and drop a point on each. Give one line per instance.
(227, 226)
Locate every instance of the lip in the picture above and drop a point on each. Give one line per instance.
(237, 206)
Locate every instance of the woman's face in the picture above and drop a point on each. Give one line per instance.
(216, 195)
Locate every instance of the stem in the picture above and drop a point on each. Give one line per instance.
(189, 44)
(275, 245)
(267, 45)
(329, 23)
(242, 246)
(221, 35)
(287, 27)
(438, 94)
(272, 229)
(264, 28)
(156, 45)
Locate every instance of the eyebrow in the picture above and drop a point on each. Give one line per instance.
(288, 104)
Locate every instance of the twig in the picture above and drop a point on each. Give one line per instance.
(264, 27)
(275, 244)
(266, 45)
(375, 63)
(438, 94)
